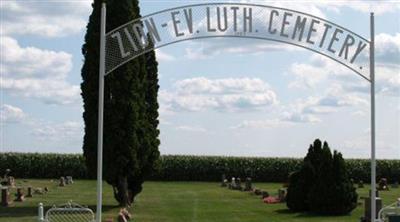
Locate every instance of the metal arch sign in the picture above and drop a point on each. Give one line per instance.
(162, 28)
(241, 21)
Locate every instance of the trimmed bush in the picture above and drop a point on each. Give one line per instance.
(300, 184)
(322, 185)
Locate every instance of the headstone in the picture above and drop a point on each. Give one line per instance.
(248, 185)
(7, 172)
(238, 184)
(46, 189)
(264, 194)
(29, 192)
(395, 185)
(10, 181)
(232, 185)
(20, 197)
(282, 195)
(360, 184)
(223, 181)
(62, 182)
(38, 191)
(5, 197)
(69, 180)
(383, 185)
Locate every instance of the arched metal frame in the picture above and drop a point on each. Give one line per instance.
(103, 73)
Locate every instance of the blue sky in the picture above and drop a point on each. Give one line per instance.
(219, 96)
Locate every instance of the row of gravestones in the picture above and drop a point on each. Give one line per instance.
(20, 196)
(382, 184)
(236, 184)
(5, 187)
(65, 181)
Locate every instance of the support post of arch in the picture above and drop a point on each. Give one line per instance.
(102, 66)
(372, 79)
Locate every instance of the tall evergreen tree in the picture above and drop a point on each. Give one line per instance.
(322, 184)
(301, 181)
(130, 144)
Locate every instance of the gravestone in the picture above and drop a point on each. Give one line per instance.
(5, 197)
(10, 181)
(69, 180)
(282, 195)
(232, 185)
(360, 184)
(29, 192)
(223, 181)
(38, 191)
(383, 185)
(62, 182)
(238, 184)
(46, 189)
(264, 194)
(395, 185)
(248, 185)
(20, 197)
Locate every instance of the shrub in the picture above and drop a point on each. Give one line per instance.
(300, 183)
(322, 185)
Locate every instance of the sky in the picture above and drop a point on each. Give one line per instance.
(218, 96)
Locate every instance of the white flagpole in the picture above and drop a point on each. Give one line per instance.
(101, 112)
(372, 76)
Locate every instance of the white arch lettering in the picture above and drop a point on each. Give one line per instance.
(237, 20)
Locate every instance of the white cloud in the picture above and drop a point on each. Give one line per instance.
(262, 124)
(46, 18)
(334, 97)
(11, 114)
(36, 73)
(298, 117)
(209, 48)
(378, 7)
(387, 49)
(191, 129)
(65, 131)
(164, 57)
(321, 69)
(315, 7)
(27, 62)
(230, 94)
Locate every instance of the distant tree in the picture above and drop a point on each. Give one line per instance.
(130, 129)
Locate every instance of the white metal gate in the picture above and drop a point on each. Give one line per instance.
(70, 212)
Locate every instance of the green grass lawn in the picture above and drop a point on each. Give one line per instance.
(176, 201)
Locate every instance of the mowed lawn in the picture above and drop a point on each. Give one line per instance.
(176, 201)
